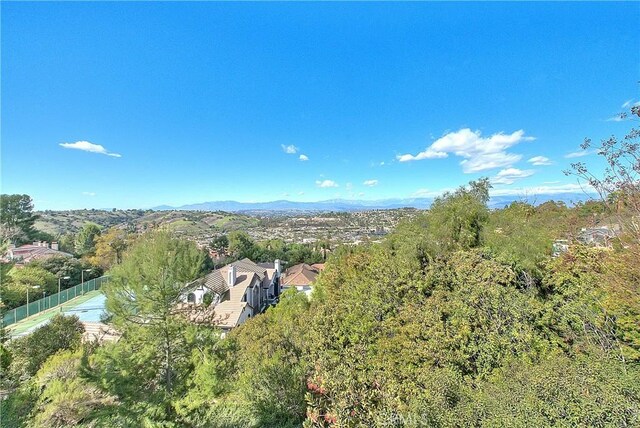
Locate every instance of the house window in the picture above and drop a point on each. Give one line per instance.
(191, 298)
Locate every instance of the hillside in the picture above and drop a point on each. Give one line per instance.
(61, 222)
(187, 223)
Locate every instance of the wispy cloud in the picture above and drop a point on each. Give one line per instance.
(579, 154)
(89, 193)
(478, 153)
(86, 146)
(290, 149)
(511, 175)
(303, 158)
(326, 183)
(546, 190)
(300, 193)
(370, 183)
(429, 193)
(616, 118)
(629, 103)
(540, 161)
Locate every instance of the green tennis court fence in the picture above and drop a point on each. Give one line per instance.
(18, 314)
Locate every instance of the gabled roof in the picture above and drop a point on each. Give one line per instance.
(217, 282)
(227, 313)
(300, 275)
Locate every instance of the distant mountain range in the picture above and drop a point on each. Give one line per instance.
(359, 205)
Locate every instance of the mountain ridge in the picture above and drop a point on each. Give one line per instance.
(359, 205)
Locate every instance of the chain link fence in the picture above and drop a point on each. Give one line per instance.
(18, 314)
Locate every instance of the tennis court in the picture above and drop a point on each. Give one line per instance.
(89, 308)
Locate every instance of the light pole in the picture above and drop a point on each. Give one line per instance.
(82, 278)
(28, 287)
(59, 279)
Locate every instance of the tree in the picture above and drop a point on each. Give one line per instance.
(14, 291)
(86, 239)
(17, 217)
(619, 185)
(62, 266)
(241, 245)
(220, 245)
(67, 398)
(456, 219)
(110, 247)
(142, 296)
(28, 353)
(67, 243)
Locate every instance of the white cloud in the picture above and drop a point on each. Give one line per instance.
(361, 194)
(303, 158)
(548, 190)
(427, 154)
(511, 175)
(290, 149)
(89, 193)
(616, 118)
(578, 154)
(427, 193)
(627, 104)
(478, 153)
(370, 183)
(349, 186)
(326, 183)
(301, 193)
(540, 161)
(89, 147)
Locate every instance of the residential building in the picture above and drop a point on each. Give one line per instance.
(234, 293)
(302, 276)
(38, 250)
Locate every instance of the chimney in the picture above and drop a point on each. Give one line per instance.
(278, 266)
(54, 246)
(231, 275)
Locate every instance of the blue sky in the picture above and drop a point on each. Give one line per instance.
(133, 105)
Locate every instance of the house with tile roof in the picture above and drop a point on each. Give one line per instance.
(235, 292)
(38, 250)
(302, 276)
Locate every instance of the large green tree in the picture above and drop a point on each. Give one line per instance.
(85, 243)
(142, 296)
(17, 218)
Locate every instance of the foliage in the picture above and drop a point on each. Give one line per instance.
(17, 218)
(220, 244)
(158, 342)
(86, 239)
(62, 266)
(65, 397)
(28, 353)
(110, 247)
(242, 246)
(33, 277)
(619, 185)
